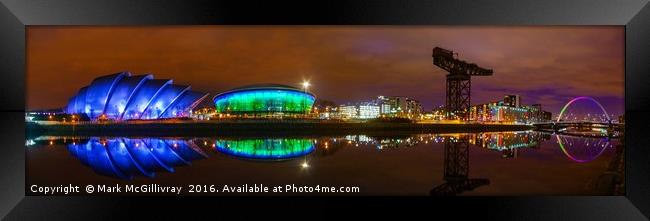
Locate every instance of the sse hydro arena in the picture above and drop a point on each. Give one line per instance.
(264, 100)
(122, 96)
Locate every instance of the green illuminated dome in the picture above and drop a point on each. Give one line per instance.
(271, 149)
(264, 98)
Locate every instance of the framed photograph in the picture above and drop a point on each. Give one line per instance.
(527, 110)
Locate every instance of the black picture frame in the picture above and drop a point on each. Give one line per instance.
(15, 15)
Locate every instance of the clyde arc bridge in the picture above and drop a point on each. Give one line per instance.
(598, 122)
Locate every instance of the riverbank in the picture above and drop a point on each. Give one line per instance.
(198, 128)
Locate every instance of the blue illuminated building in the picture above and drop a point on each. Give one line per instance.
(125, 158)
(122, 96)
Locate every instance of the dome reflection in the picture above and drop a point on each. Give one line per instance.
(266, 149)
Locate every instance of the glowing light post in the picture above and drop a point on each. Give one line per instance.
(73, 122)
(305, 86)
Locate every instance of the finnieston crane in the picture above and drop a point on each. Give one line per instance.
(458, 80)
(456, 170)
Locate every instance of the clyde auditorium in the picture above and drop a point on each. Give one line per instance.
(122, 96)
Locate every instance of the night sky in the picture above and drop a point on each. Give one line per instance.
(546, 65)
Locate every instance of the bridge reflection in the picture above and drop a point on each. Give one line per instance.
(583, 149)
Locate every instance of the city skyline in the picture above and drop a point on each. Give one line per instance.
(546, 65)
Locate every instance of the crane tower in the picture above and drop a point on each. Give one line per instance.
(459, 82)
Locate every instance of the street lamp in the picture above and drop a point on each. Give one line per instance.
(305, 86)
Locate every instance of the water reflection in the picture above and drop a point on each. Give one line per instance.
(582, 150)
(125, 158)
(456, 168)
(265, 149)
(504, 141)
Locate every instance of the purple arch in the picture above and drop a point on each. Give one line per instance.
(184, 104)
(173, 102)
(99, 91)
(162, 100)
(582, 98)
(141, 99)
(121, 94)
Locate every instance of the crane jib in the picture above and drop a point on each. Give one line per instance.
(458, 84)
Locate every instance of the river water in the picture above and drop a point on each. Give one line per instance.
(499, 163)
